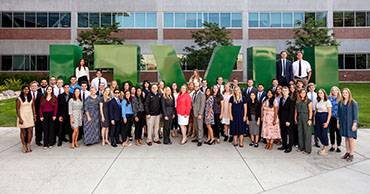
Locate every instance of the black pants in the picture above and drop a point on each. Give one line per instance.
(334, 132)
(139, 125)
(114, 132)
(64, 128)
(38, 130)
(217, 127)
(295, 134)
(175, 124)
(283, 82)
(287, 135)
(166, 130)
(48, 126)
(126, 129)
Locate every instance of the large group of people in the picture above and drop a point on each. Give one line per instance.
(292, 113)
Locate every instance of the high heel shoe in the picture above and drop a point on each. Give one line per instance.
(184, 142)
(213, 141)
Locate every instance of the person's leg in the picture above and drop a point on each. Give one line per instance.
(103, 131)
(352, 146)
(290, 135)
(60, 132)
(200, 130)
(124, 131)
(46, 128)
(332, 126)
(300, 134)
(256, 139)
(22, 137)
(150, 126)
(52, 132)
(308, 139)
(241, 140)
(156, 128)
(183, 133)
(112, 132)
(283, 133)
(39, 128)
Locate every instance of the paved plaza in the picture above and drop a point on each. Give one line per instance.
(178, 169)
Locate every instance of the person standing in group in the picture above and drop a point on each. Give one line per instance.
(75, 108)
(322, 117)
(238, 117)
(153, 113)
(175, 125)
(26, 115)
(191, 131)
(217, 107)
(335, 97)
(139, 115)
(91, 118)
(104, 115)
(146, 87)
(84, 92)
(73, 84)
(250, 89)
(115, 117)
(128, 118)
(43, 85)
(301, 69)
(225, 112)
(113, 85)
(312, 95)
(274, 86)
(99, 79)
(261, 94)
(48, 112)
(303, 118)
(286, 117)
(347, 122)
(36, 97)
(293, 95)
(198, 105)
(169, 111)
(209, 118)
(270, 119)
(254, 118)
(220, 84)
(58, 88)
(63, 116)
(183, 108)
(195, 77)
(82, 72)
(284, 69)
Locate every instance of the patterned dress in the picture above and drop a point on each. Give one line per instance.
(92, 128)
(269, 130)
(209, 116)
(75, 110)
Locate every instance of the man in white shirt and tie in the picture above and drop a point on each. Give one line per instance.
(58, 87)
(220, 84)
(84, 92)
(99, 80)
(250, 89)
(302, 69)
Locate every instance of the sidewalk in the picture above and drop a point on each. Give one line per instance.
(179, 169)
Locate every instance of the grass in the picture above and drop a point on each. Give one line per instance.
(361, 93)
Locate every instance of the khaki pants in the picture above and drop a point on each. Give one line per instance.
(153, 127)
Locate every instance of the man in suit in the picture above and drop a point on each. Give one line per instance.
(198, 104)
(250, 89)
(261, 94)
(274, 86)
(115, 115)
(64, 126)
(286, 117)
(36, 96)
(43, 85)
(284, 69)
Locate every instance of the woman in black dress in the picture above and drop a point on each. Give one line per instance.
(238, 117)
(105, 115)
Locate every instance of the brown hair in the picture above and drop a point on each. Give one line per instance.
(325, 96)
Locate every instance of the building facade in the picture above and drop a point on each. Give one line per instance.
(28, 27)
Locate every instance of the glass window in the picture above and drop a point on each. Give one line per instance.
(338, 19)
(236, 20)
(191, 20)
(6, 63)
(360, 61)
(65, 20)
(168, 20)
(140, 19)
(368, 61)
(32, 63)
(321, 19)
(368, 18)
(128, 19)
(264, 19)
(106, 19)
(18, 19)
(180, 20)
(298, 19)
(225, 20)
(349, 60)
(42, 63)
(309, 16)
(18, 63)
(275, 19)
(94, 20)
(340, 61)
(42, 19)
(26, 62)
(83, 20)
(360, 18)
(200, 20)
(151, 20)
(287, 20)
(53, 20)
(117, 18)
(7, 19)
(253, 19)
(349, 19)
(214, 18)
(30, 20)
(205, 17)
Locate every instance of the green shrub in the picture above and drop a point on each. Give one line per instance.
(12, 84)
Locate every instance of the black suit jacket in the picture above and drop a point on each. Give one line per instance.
(288, 71)
(115, 110)
(63, 105)
(37, 103)
(286, 111)
(246, 93)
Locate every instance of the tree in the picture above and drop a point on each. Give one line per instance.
(310, 34)
(197, 56)
(98, 35)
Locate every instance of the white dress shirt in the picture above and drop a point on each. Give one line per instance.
(87, 94)
(57, 90)
(95, 82)
(313, 97)
(305, 68)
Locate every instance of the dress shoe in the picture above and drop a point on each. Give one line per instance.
(149, 143)
(317, 145)
(38, 143)
(338, 150)
(226, 138)
(114, 145)
(256, 145)
(345, 156)
(157, 142)
(199, 144)
(251, 144)
(350, 158)
(332, 149)
(59, 143)
(281, 148)
(194, 140)
(287, 150)
(230, 139)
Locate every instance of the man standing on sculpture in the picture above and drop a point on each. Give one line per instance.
(302, 69)
(284, 69)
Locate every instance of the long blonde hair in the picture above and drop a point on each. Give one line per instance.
(237, 94)
(165, 91)
(339, 96)
(350, 98)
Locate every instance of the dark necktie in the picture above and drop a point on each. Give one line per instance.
(195, 96)
(283, 70)
(99, 82)
(300, 69)
(83, 97)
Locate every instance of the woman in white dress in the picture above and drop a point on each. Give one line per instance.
(225, 117)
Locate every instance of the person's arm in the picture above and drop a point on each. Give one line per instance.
(164, 109)
(55, 109)
(309, 122)
(355, 116)
(88, 74)
(245, 119)
(101, 111)
(147, 105)
(41, 110)
(18, 106)
(202, 106)
(276, 108)
(222, 109)
(230, 112)
(123, 105)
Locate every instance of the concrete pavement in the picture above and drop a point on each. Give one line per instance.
(174, 168)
